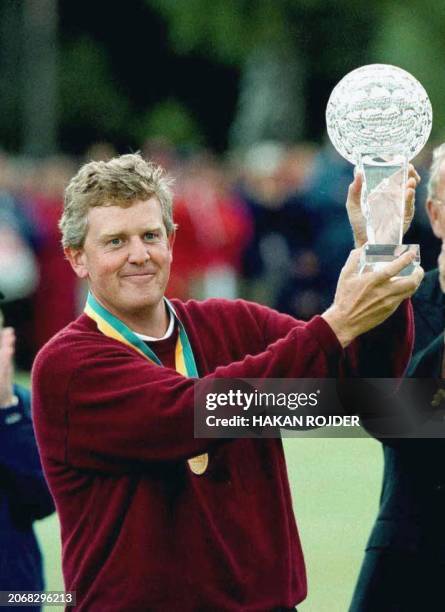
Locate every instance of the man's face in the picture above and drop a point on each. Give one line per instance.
(436, 206)
(126, 256)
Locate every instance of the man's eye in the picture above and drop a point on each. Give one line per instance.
(115, 242)
(151, 236)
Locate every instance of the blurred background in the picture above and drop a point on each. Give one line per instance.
(230, 97)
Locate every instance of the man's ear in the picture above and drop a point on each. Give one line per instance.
(77, 259)
(436, 220)
(171, 240)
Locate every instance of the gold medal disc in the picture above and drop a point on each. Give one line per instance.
(199, 464)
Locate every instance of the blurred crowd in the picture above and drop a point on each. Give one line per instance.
(268, 224)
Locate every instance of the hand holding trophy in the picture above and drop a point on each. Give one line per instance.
(379, 117)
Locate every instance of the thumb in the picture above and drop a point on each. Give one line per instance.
(354, 192)
(352, 263)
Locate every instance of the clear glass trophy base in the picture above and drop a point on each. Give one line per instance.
(376, 256)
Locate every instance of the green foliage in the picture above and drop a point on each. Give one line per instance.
(327, 37)
(170, 120)
(226, 29)
(231, 29)
(410, 36)
(89, 94)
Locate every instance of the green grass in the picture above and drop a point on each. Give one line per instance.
(335, 487)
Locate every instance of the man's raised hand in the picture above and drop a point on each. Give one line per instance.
(353, 205)
(363, 301)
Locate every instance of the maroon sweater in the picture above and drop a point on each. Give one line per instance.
(140, 531)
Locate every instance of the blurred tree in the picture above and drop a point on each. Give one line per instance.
(136, 62)
(10, 51)
(258, 37)
(283, 47)
(271, 100)
(228, 29)
(411, 36)
(39, 90)
(185, 63)
(171, 120)
(93, 105)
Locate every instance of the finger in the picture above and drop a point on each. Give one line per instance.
(351, 264)
(411, 183)
(418, 274)
(354, 192)
(7, 339)
(407, 285)
(394, 267)
(410, 194)
(8, 335)
(6, 355)
(410, 198)
(412, 172)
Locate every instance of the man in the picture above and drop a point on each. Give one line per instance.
(24, 496)
(405, 556)
(152, 518)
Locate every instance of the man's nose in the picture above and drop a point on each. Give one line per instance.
(138, 252)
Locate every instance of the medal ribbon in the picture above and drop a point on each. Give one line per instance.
(113, 327)
(185, 362)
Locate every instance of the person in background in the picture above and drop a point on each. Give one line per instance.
(19, 273)
(215, 228)
(405, 556)
(55, 300)
(279, 264)
(24, 495)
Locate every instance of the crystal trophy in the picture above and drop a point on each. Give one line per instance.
(379, 117)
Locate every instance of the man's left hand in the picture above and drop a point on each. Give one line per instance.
(353, 205)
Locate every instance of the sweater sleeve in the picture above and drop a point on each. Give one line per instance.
(28, 494)
(121, 409)
(383, 352)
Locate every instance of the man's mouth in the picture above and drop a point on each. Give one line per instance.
(133, 274)
(139, 276)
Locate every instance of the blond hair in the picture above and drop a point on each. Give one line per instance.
(117, 182)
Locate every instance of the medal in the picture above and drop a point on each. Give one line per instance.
(198, 464)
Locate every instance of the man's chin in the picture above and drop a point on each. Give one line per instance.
(140, 300)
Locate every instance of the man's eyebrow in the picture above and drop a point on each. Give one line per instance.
(110, 235)
(119, 234)
(152, 228)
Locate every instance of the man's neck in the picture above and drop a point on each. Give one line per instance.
(149, 321)
(155, 326)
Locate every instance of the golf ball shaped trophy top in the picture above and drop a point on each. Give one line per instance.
(379, 117)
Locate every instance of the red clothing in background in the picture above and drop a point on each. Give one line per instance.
(213, 231)
(140, 531)
(54, 301)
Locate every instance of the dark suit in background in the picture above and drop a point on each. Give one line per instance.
(24, 498)
(404, 565)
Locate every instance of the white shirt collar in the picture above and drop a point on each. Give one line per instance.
(167, 334)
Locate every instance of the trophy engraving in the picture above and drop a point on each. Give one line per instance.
(379, 117)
